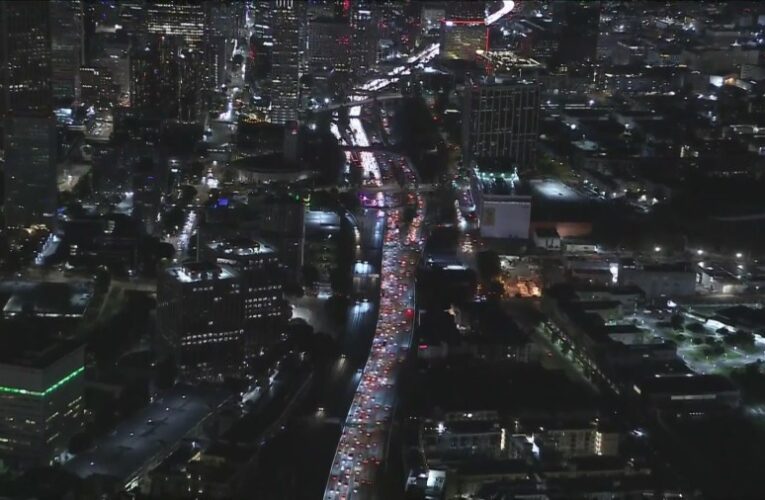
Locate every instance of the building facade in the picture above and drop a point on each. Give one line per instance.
(285, 61)
(262, 278)
(30, 132)
(200, 317)
(500, 123)
(41, 402)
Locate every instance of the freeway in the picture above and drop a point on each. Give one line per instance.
(296, 464)
(362, 443)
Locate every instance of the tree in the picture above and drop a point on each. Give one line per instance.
(741, 338)
(488, 265)
(677, 321)
(695, 327)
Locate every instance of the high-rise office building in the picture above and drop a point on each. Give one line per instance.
(30, 132)
(578, 26)
(41, 391)
(285, 62)
(365, 37)
(194, 56)
(200, 316)
(262, 277)
(66, 49)
(177, 19)
(151, 73)
(167, 77)
(189, 84)
(262, 17)
(30, 170)
(500, 123)
(329, 47)
(223, 26)
(281, 220)
(217, 314)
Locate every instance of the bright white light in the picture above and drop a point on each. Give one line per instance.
(657, 249)
(739, 255)
(507, 6)
(699, 252)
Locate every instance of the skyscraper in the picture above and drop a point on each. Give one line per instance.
(365, 37)
(184, 30)
(329, 47)
(151, 73)
(500, 123)
(167, 77)
(30, 132)
(66, 49)
(184, 20)
(285, 69)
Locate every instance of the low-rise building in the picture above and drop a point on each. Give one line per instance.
(547, 238)
(504, 206)
(659, 280)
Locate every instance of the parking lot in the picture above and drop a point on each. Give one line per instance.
(705, 346)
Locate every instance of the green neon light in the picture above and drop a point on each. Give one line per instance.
(67, 378)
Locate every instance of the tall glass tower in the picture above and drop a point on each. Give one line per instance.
(30, 130)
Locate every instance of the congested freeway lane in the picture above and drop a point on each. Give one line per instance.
(362, 443)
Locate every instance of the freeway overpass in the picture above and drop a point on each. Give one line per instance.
(361, 102)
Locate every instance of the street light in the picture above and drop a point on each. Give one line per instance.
(739, 255)
(657, 249)
(700, 252)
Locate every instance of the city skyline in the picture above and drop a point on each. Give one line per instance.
(355, 249)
